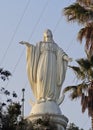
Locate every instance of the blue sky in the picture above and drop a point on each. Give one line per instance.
(26, 20)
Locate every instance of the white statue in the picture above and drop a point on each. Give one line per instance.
(46, 68)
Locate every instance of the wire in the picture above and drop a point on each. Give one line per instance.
(70, 44)
(15, 32)
(58, 22)
(19, 59)
(35, 26)
(31, 35)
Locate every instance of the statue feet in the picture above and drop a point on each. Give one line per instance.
(41, 100)
(49, 99)
(44, 100)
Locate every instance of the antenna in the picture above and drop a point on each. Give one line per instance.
(23, 90)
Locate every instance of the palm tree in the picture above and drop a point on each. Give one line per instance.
(82, 13)
(87, 34)
(83, 90)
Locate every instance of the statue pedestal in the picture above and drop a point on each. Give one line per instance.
(60, 121)
(45, 107)
(50, 110)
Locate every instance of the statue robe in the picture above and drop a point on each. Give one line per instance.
(46, 70)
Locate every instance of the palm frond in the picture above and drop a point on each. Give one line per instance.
(90, 106)
(78, 72)
(84, 2)
(90, 74)
(74, 95)
(82, 98)
(87, 34)
(84, 103)
(78, 13)
(81, 87)
(81, 34)
(90, 90)
(91, 60)
(69, 88)
(84, 70)
(84, 63)
(75, 91)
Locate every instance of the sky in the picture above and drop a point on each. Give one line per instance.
(26, 20)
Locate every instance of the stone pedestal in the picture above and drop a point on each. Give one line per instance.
(45, 107)
(60, 121)
(50, 110)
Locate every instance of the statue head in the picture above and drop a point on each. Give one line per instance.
(48, 37)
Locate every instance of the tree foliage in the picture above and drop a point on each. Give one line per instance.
(83, 90)
(4, 74)
(11, 115)
(72, 126)
(81, 12)
(78, 13)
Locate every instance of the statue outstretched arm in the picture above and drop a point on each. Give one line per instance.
(26, 43)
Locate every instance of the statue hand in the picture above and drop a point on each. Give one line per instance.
(67, 58)
(24, 43)
(70, 59)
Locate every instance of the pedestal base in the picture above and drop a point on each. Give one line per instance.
(50, 111)
(60, 121)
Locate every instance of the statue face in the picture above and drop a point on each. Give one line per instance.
(48, 36)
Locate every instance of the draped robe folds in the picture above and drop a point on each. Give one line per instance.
(46, 70)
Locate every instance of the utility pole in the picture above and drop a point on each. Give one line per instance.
(23, 90)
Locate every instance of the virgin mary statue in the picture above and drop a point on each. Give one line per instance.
(46, 67)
